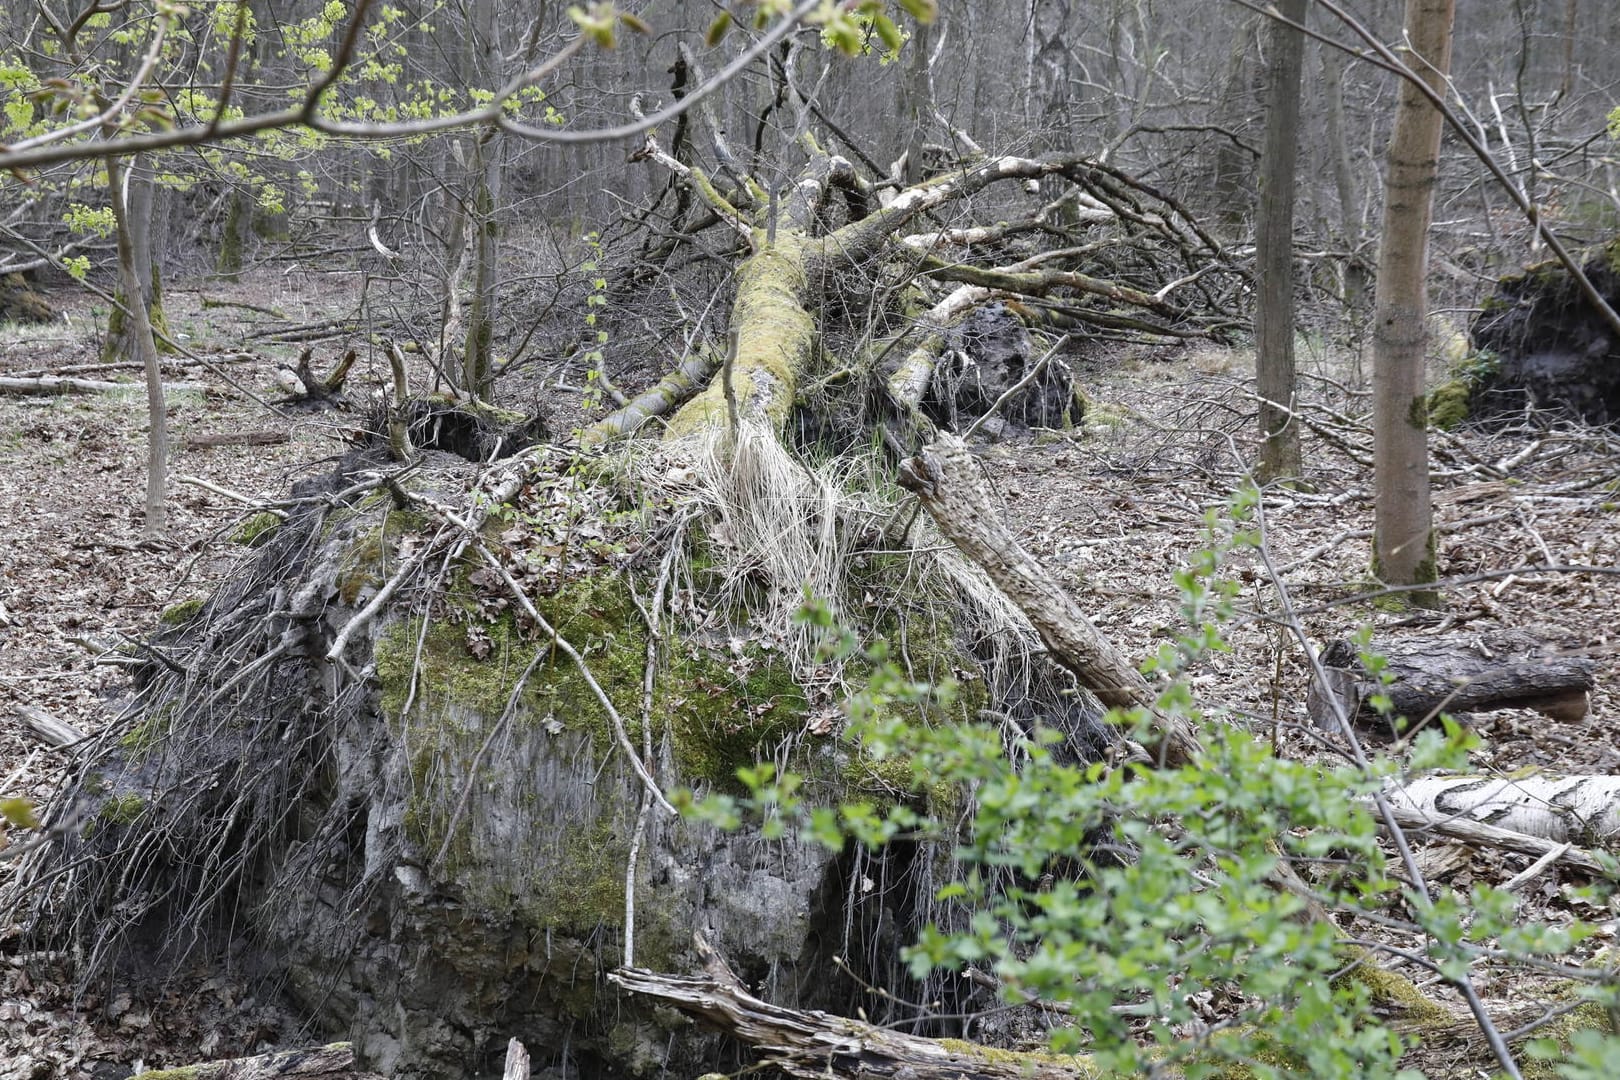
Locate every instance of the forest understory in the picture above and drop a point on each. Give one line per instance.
(1113, 508)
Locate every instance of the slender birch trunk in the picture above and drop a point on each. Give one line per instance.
(1403, 535)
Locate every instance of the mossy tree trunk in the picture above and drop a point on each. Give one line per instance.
(778, 285)
(484, 176)
(477, 361)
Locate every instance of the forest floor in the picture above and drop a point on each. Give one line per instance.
(1115, 510)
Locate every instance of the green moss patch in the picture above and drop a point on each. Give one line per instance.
(257, 530)
(180, 612)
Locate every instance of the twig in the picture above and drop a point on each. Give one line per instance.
(237, 496)
(655, 635)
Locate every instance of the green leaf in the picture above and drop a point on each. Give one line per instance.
(596, 24)
(19, 812)
(717, 29)
(924, 11)
(887, 32)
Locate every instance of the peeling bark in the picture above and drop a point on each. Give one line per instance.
(1563, 809)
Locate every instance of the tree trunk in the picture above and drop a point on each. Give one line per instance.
(1563, 809)
(1403, 536)
(477, 362)
(916, 103)
(484, 207)
(1274, 251)
(1453, 673)
(138, 194)
(1344, 184)
(139, 342)
(1231, 169)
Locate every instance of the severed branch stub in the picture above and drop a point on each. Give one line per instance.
(1453, 673)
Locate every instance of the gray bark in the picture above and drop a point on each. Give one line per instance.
(142, 345)
(1403, 536)
(1274, 254)
(1455, 673)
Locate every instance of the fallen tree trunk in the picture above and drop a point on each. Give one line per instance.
(665, 396)
(206, 440)
(1423, 825)
(50, 730)
(335, 1062)
(1453, 673)
(55, 384)
(1579, 809)
(817, 1045)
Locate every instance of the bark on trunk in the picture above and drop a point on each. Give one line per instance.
(477, 363)
(1274, 252)
(142, 204)
(774, 338)
(142, 346)
(1344, 184)
(1563, 809)
(1403, 537)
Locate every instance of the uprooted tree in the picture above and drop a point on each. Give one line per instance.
(420, 756)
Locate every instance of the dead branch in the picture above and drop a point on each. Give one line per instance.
(207, 440)
(948, 481)
(48, 728)
(817, 1045)
(335, 1061)
(54, 384)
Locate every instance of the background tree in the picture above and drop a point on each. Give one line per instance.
(1403, 536)
(1274, 249)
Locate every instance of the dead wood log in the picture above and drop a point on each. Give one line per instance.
(817, 1045)
(53, 384)
(335, 1062)
(135, 365)
(50, 729)
(1453, 673)
(673, 390)
(947, 478)
(517, 1061)
(1466, 830)
(1582, 809)
(205, 440)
